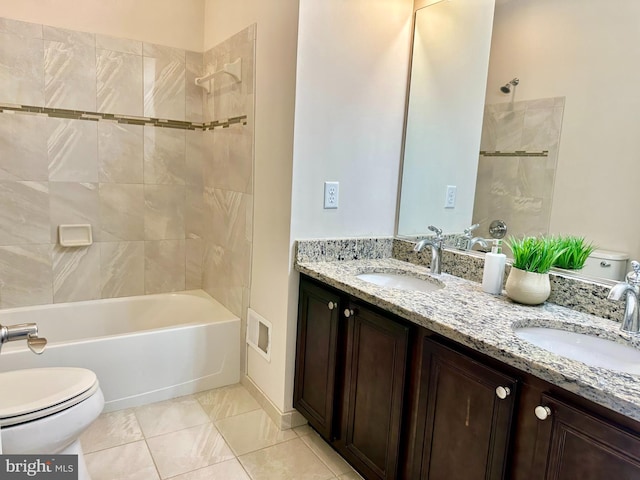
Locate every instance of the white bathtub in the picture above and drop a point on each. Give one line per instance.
(143, 349)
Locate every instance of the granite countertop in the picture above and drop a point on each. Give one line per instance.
(462, 312)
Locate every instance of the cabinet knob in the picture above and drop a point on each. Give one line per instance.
(542, 412)
(331, 305)
(348, 312)
(503, 392)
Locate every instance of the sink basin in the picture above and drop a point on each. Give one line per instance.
(594, 351)
(400, 281)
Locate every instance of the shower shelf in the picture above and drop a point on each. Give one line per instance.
(516, 153)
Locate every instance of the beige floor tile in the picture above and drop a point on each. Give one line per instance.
(327, 454)
(350, 476)
(227, 402)
(170, 416)
(291, 460)
(229, 470)
(252, 431)
(189, 449)
(126, 462)
(111, 430)
(303, 430)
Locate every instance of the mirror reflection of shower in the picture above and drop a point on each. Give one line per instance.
(506, 88)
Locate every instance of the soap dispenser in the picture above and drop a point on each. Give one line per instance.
(493, 274)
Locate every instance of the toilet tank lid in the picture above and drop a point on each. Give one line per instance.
(609, 255)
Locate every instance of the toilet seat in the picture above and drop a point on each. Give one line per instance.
(32, 394)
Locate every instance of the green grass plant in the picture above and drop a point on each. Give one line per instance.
(535, 254)
(575, 252)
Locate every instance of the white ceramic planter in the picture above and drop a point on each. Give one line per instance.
(528, 288)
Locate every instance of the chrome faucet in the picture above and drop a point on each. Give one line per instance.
(436, 244)
(23, 331)
(631, 290)
(467, 240)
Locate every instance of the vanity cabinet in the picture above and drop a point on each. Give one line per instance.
(316, 356)
(400, 402)
(572, 443)
(374, 386)
(465, 417)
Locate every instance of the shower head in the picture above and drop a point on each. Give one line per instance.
(506, 88)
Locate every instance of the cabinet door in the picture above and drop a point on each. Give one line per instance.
(467, 425)
(316, 356)
(376, 361)
(573, 444)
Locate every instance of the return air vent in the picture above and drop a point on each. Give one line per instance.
(259, 334)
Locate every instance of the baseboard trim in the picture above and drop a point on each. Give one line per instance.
(284, 420)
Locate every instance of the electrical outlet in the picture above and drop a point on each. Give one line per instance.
(331, 190)
(450, 200)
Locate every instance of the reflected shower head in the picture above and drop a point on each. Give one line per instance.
(506, 88)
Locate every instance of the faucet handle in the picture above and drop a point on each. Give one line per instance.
(634, 276)
(467, 231)
(436, 230)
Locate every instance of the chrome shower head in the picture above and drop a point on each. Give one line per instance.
(506, 88)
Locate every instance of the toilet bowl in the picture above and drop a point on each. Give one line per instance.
(45, 410)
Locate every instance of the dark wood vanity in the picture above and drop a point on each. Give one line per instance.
(400, 402)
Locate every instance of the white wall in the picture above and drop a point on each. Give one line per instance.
(586, 51)
(449, 74)
(275, 97)
(352, 77)
(165, 22)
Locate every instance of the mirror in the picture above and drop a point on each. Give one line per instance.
(573, 113)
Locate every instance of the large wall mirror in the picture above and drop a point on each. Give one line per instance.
(531, 110)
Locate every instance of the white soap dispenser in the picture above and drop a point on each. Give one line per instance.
(493, 274)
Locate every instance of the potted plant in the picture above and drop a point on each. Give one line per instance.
(575, 252)
(533, 257)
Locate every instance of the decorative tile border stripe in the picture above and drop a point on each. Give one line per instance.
(517, 153)
(126, 119)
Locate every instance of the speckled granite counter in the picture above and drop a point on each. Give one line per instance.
(462, 312)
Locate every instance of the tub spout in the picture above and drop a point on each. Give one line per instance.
(23, 331)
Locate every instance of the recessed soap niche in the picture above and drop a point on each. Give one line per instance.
(78, 235)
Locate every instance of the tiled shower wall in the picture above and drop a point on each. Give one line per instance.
(170, 207)
(517, 186)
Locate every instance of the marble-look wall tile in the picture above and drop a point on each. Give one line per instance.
(121, 212)
(116, 44)
(23, 147)
(164, 266)
(194, 255)
(24, 216)
(69, 75)
(24, 29)
(228, 214)
(120, 153)
(164, 212)
(21, 70)
(194, 94)
(231, 163)
(68, 36)
(197, 224)
(164, 156)
(73, 150)
(76, 273)
(164, 82)
(71, 203)
(26, 275)
(122, 269)
(197, 152)
(225, 274)
(119, 83)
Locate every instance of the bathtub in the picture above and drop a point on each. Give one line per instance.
(143, 349)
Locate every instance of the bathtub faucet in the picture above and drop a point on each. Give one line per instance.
(23, 331)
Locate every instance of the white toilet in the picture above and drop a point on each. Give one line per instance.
(45, 410)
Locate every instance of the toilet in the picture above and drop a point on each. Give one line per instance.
(606, 264)
(45, 410)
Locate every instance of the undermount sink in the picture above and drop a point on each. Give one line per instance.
(401, 281)
(594, 351)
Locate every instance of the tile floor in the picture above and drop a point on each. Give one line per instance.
(220, 434)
